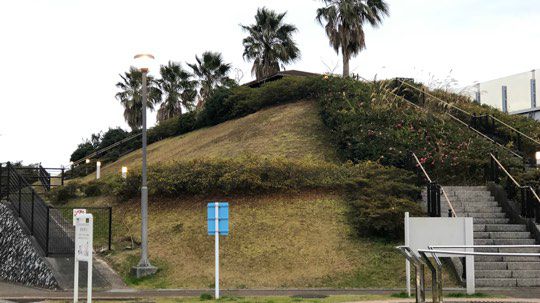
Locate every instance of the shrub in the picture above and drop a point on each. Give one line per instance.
(93, 189)
(64, 193)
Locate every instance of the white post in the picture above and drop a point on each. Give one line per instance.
(98, 170)
(407, 263)
(469, 260)
(216, 204)
(89, 276)
(76, 281)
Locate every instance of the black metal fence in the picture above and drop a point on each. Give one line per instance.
(52, 227)
(526, 196)
(38, 176)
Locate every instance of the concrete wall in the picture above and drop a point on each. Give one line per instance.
(19, 260)
(518, 91)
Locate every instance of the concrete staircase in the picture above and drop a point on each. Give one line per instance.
(492, 227)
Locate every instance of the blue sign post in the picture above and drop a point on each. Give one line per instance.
(218, 224)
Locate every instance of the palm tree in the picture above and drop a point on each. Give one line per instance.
(269, 43)
(178, 89)
(345, 24)
(211, 73)
(131, 98)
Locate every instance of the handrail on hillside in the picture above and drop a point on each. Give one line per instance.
(528, 198)
(468, 126)
(473, 115)
(433, 194)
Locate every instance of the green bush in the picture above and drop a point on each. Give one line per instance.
(63, 194)
(377, 203)
(92, 189)
(249, 175)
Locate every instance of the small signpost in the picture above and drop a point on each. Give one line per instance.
(218, 224)
(84, 235)
(76, 212)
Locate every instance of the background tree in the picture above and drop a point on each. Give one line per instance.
(345, 21)
(131, 97)
(269, 43)
(178, 90)
(211, 73)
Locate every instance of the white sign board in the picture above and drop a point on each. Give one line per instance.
(77, 212)
(422, 232)
(84, 241)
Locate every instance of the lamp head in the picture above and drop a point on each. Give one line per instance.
(143, 62)
(87, 161)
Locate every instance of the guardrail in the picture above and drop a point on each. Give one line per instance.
(434, 193)
(51, 227)
(436, 266)
(488, 125)
(526, 196)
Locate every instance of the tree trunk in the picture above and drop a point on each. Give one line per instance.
(345, 64)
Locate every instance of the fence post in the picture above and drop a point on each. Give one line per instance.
(62, 182)
(524, 201)
(19, 186)
(437, 200)
(110, 227)
(1, 171)
(47, 234)
(519, 142)
(32, 220)
(429, 199)
(8, 168)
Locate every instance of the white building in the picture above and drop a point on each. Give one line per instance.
(515, 94)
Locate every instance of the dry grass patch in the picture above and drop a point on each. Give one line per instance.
(293, 131)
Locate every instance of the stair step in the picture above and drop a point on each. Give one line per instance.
(505, 259)
(461, 204)
(500, 227)
(502, 235)
(482, 215)
(496, 282)
(490, 220)
(523, 265)
(470, 199)
(464, 188)
(504, 241)
(530, 282)
(490, 274)
(478, 209)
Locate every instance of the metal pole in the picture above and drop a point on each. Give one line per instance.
(216, 207)
(144, 268)
(110, 227)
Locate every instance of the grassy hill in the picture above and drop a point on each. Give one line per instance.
(320, 233)
(292, 130)
(298, 238)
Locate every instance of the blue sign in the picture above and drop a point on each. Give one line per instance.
(223, 218)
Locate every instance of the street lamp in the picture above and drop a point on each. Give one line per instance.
(537, 158)
(144, 268)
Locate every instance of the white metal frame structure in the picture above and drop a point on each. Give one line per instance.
(436, 266)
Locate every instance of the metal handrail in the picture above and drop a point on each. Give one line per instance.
(454, 118)
(467, 113)
(92, 155)
(513, 179)
(430, 181)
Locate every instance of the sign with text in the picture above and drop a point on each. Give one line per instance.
(77, 212)
(223, 218)
(84, 241)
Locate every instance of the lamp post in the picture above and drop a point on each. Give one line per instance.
(144, 268)
(537, 156)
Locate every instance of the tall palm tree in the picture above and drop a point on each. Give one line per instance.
(178, 89)
(211, 72)
(269, 43)
(130, 95)
(345, 21)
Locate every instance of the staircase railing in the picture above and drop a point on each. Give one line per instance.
(50, 226)
(40, 176)
(489, 126)
(434, 193)
(526, 196)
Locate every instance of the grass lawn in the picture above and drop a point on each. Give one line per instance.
(292, 130)
(276, 241)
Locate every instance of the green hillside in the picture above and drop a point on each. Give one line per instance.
(317, 188)
(292, 130)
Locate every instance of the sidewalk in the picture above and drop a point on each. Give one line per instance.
(12, 292)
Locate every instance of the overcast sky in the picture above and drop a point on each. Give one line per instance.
(60, 59)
